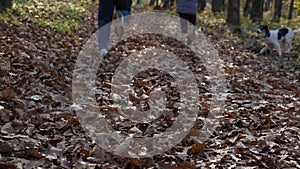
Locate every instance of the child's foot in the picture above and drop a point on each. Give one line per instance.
(190, 39)
(103, 52)
(192, 47)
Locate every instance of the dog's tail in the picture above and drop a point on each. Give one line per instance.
(297, 31)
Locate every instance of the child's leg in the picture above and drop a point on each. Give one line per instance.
(126, 14)
(191, 29)
(124, 5)
(183, 22)
(105, 14)
(123, 11)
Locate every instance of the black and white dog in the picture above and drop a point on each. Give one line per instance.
(276, 37)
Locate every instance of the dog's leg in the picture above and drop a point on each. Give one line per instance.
(277, 46)
(288, 47)
(264, 49)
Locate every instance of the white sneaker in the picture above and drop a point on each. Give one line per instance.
(103, 52)
(119, 24)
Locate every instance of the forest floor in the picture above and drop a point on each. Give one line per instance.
(259, 127)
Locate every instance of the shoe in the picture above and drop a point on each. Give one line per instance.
(103, 52)
(192, 47)
(190, 40)
(119, 24)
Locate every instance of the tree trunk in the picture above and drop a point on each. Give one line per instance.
(168, 3)
(172, 3)
(151, 2)
(256, 14)
(267, 5)
(291, 10)
(5, 4)
(247, 8)
(157, 7)
(277, 11)
(218, 6)
(233, 13)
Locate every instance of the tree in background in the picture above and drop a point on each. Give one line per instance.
(168, 3)
(233, 13)
(267, 5)
(277, 11)
(172, 3)
(247, 8)
(291, 10)
(217, 6)
(5, 4)
(151, 2)
(256, 13)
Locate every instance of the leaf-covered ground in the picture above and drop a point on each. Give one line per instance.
(39, 129)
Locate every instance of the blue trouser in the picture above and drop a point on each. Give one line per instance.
(105, 14)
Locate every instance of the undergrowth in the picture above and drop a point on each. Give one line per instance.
(60, 15)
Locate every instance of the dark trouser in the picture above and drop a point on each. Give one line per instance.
(105, 14)
(184, 19)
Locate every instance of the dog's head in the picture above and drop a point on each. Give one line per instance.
(262, 28)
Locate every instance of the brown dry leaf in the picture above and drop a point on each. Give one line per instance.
(9, 163)
(144, 162)
(206, 106)
(267, 124)
(196, 148)
(192, 132)
(139, 47)
(135, 100)
(68, 94)
(46, 69)
(18, 125)
(4, 116)
(20, 105)
(229, 70)
(5, 146)
(34, 152)
(187, 165)
(143, 82)
(8, 94)
(231, 114)
(167, 165)
(136, 162)
(292, 87)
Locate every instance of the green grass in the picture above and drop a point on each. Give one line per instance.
(4, 17)
(63, 16)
